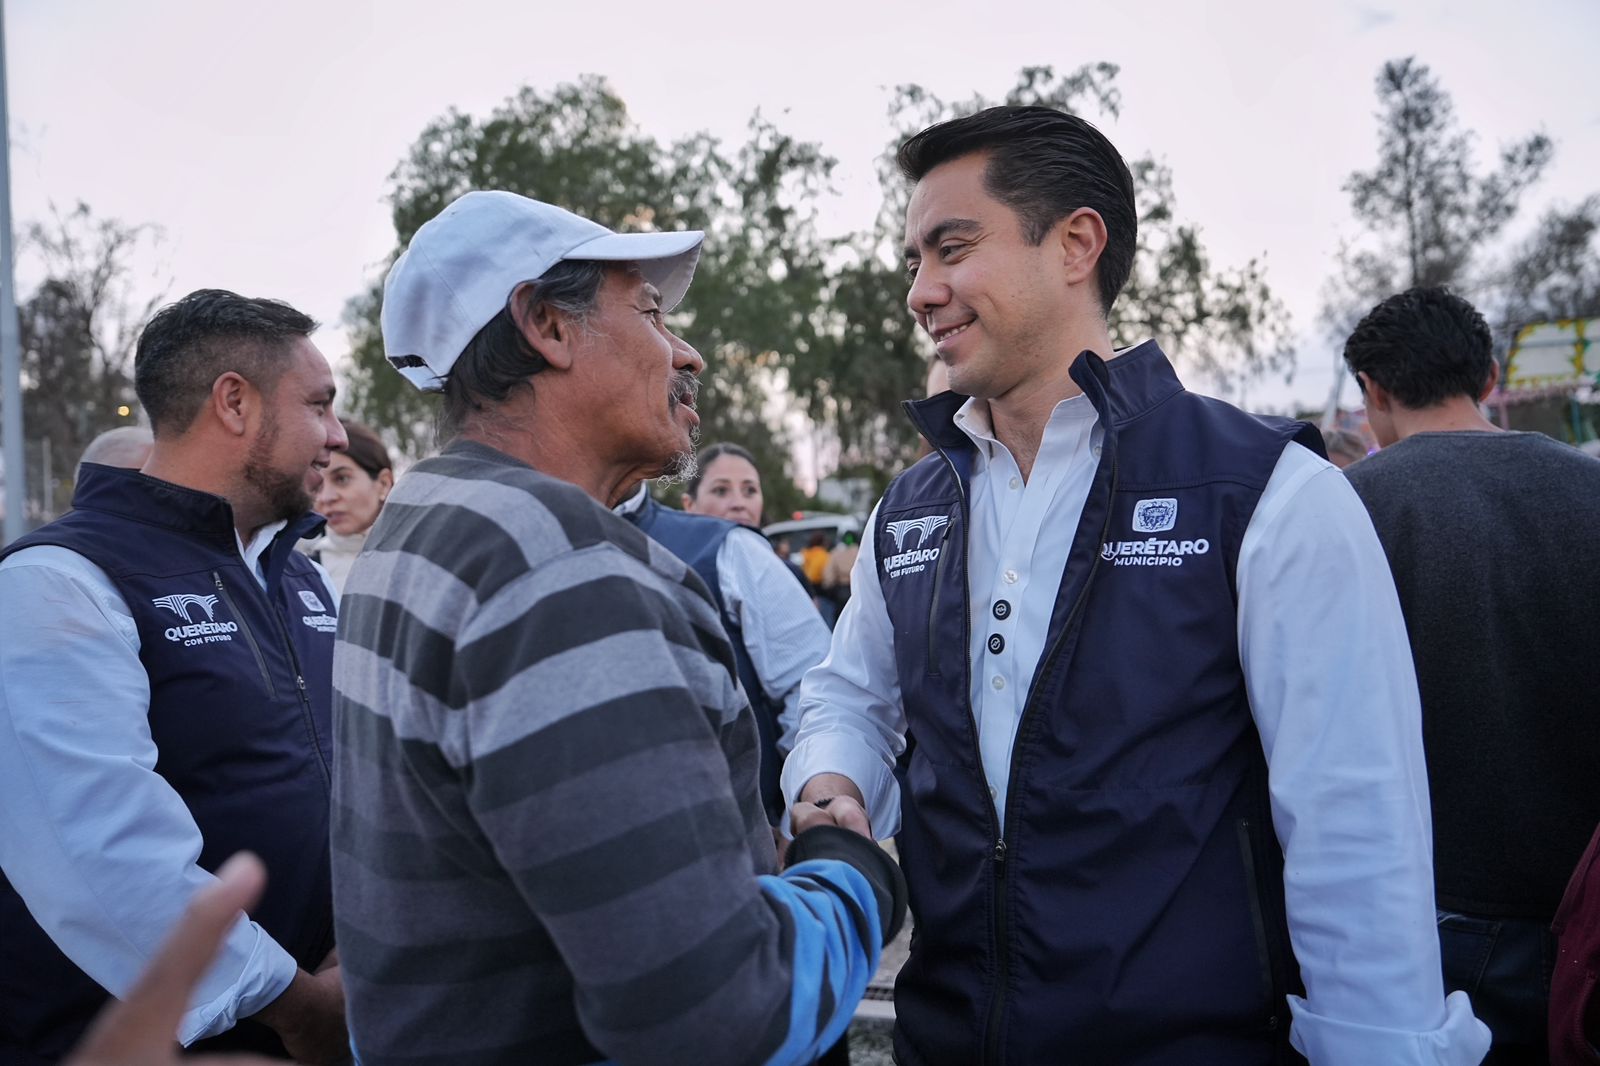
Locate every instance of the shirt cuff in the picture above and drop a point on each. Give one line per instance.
(268, 971)
(847, 755)
(1461, 1040)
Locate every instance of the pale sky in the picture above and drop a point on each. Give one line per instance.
(260, 137)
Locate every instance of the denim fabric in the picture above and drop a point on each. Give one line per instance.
(1504, 964)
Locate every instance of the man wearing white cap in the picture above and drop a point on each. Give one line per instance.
(548, 842)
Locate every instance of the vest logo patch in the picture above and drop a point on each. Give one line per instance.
(925, 527)
(180, 603)
(309, 598)
(1155, 516)
(921, 554)
(194, 633)
(1152, 552)
(322, 623)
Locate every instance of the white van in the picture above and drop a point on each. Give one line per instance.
(798, 531)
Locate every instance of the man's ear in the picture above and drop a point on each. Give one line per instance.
(1376, 395)
(234, 401)
(1082, 237)
(547, 329)
(1494, 379)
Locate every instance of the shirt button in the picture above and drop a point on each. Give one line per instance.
(994, 793)
(997, 643)
(1015, 483)
(1095, 451)
(1010, 576)
(998, 682)
(1002, 609)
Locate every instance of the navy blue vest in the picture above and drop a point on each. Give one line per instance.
(1132, 911)
(696, 539)
(240, 691)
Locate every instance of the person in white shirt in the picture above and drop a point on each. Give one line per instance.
(167, 701)
(767, 611)
(1149, 812)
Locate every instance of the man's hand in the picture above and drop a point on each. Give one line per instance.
(139, 1030)
(830, 799)
(309, 1018)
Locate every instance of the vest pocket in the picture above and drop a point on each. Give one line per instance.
(249, 637)
(933, 617)
(1258, 921)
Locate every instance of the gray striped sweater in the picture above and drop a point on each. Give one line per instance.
(547, 840)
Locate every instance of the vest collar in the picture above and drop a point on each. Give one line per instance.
(1121, 389)
(137, 497)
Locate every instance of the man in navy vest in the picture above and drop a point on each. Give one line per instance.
(164, 694)
(1150, 813)
(777, 635)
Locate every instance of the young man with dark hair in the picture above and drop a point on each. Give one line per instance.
(548, 838)
(1146, 801)
(1485, 531)
(167, 701)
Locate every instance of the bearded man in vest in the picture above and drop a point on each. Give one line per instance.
(165, 684)
(1150, 814)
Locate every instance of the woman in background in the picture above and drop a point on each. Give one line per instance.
(354, 487)
(726, 486)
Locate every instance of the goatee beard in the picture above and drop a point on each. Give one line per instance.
(283, 497)
(682, 467)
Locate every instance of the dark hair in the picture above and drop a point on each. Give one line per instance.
(1044, 164)
(710, 454)
(366, 449)
(187, 345)
(1424, 346)
(499, 358)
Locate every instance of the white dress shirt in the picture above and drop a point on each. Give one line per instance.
(97, 844)
(1332, 690)
(784, 634)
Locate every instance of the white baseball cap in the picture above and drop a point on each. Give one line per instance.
(463, 264)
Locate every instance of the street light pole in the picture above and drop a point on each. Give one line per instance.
(10, 342)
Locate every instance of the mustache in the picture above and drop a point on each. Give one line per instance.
(685, 389)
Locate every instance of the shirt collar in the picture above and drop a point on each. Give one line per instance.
(975, 421)
(251, 553)
(634, 502)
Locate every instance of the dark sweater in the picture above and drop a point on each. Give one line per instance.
(547, 841)
(1494, 540)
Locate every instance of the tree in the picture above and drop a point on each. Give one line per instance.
(1223, 323)
(1555, 273)
(753, 302)
(78, 332)
(778, 310)
(1430, 216)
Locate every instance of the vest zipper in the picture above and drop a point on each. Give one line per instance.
(938, 582)
(1258, 919)
(300, 684)
(249, 637)
(992, 1049)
